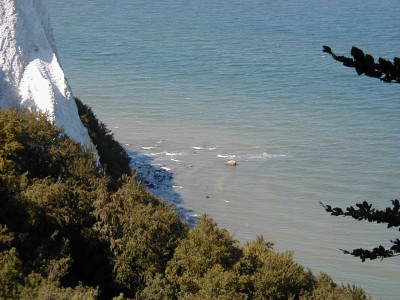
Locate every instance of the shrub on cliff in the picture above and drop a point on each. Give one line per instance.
(205, 248)
(142, 231)
(113, 157)
(67, 223)
(45, 201)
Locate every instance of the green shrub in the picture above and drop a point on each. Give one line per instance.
(11, 276)
(325, 289)
(148, 232)
(272, 275)
(206, 246)
(113, 158)
(219, 283)
(158, 288)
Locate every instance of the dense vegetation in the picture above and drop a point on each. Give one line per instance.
(113, 157)
(70, 229)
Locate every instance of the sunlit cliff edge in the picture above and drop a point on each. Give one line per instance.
(31, 75)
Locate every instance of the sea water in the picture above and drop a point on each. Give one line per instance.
(190, 84)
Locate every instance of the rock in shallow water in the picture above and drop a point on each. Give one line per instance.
(231, 163)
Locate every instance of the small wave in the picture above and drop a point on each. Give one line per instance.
(266, 155)
(204, 148)
(165, 168)
(172, 154)
(177, 186)
(165, 153)
(148, 148)
(155, 153)
(175, 160)
(228, 156)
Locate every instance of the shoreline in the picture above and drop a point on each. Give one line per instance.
(159, 180)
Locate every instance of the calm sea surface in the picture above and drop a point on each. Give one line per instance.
(191, 84)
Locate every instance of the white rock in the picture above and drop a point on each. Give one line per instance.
(30, 72)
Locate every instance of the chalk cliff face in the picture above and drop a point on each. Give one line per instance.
(30, 72)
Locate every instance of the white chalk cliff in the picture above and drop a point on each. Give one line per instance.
(30, 72)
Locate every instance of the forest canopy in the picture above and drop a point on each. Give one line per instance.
(73, 229)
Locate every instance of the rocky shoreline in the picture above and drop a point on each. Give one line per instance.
(159, 180)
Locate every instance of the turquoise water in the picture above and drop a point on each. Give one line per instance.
(190, 84)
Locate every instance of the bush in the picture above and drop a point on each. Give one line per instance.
(148, 233)
(46, 197)
(113, 158)
(325, 289)
(205, 246)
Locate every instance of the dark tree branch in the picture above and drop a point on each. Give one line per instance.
(365, 211)
(385, 70)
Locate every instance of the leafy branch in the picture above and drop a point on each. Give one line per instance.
(385, 70)
(365, 211)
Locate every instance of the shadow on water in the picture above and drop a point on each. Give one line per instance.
(159, 181)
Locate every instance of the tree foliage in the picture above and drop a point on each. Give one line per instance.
(69, 230)
(205, 247)
(274, 275)
(387, 72)
(148, 233)
(113, 158)
(325, 288)
(364, 63)
(365, 211)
